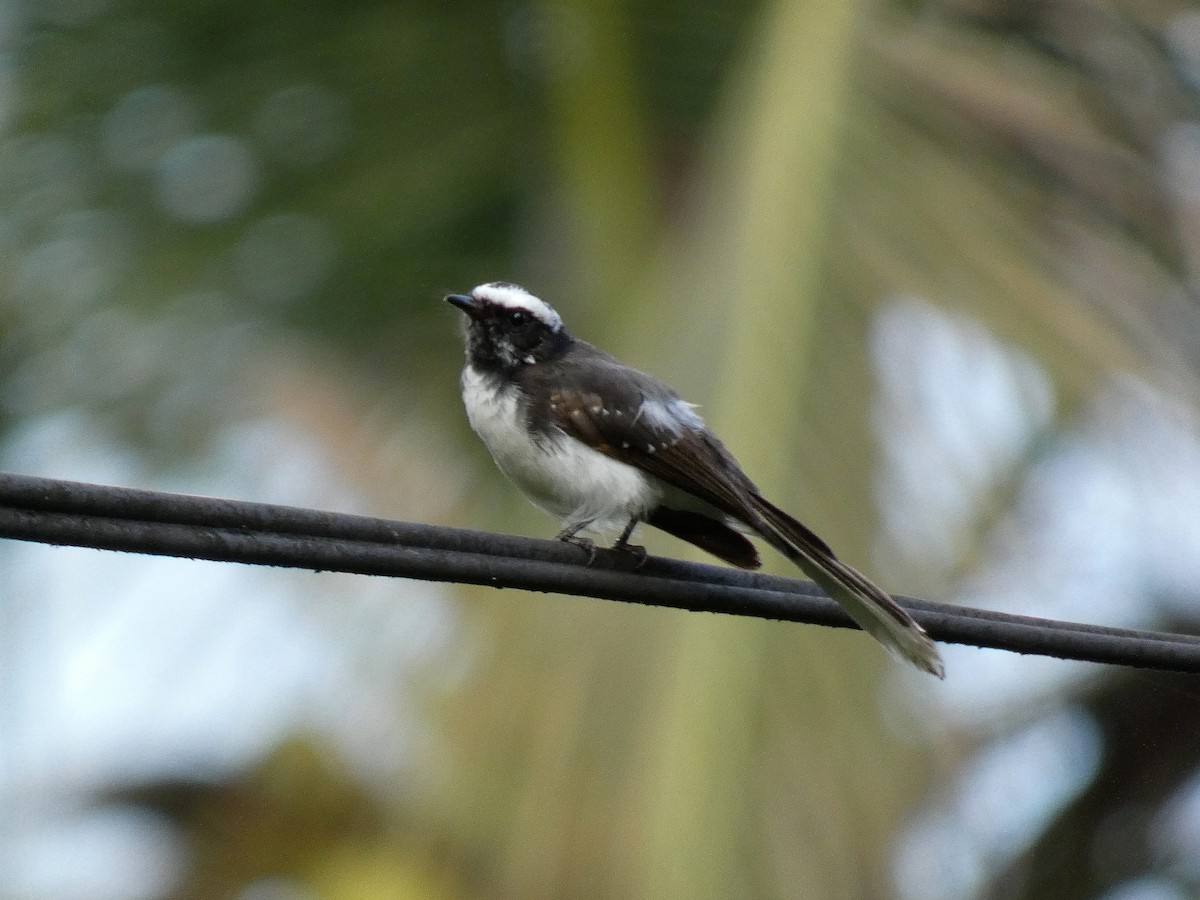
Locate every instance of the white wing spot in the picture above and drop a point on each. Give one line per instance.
(595, 410)
(649, 448)
(624, 445)
(672, 415)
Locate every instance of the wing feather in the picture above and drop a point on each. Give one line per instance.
(692, 460)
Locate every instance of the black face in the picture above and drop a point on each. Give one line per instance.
(502, 338)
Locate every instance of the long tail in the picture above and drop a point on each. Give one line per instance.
(875, 612)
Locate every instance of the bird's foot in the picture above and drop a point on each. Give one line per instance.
(623, 546)
(637, 551)
(587, 545)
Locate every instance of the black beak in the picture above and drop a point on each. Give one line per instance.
(467, 304)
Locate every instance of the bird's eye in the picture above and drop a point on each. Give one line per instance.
(518, 318)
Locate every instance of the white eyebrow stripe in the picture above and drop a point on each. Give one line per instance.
(512, 296)
(674, 415)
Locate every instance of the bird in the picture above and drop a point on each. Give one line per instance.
(602, 446)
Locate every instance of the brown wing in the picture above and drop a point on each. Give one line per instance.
(688, 459)
(693, 461)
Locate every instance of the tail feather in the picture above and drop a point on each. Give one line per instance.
(873, 609)
(708, 534)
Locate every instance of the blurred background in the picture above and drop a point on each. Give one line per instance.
(950, 250)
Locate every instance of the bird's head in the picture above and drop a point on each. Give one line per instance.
(507, 327)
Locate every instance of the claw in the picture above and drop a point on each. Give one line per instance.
(623, 546)
(637, 551)
(587, 545)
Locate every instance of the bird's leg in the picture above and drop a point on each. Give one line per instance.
(623, 545)
(570, 535)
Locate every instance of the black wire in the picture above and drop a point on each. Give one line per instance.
(138, 521)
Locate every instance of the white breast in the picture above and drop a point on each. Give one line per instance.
(562, 476)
